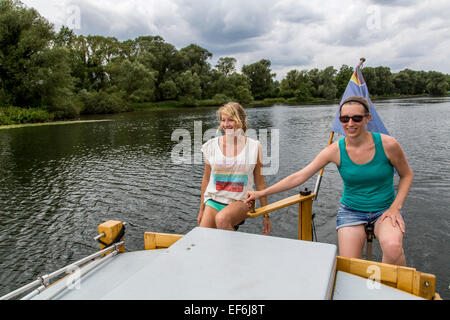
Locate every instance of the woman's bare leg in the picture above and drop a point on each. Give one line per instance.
(351, 241)
(208, 218)
(231, 215)
(391, 242)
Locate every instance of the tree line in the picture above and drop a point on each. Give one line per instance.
(67, 75)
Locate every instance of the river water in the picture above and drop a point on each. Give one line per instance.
(58, 183)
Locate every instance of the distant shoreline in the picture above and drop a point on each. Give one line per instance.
(169, 105)
(258, 103)
(48, 123)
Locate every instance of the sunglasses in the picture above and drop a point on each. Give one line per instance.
(345, 119)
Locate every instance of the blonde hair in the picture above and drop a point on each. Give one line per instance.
(235, 111)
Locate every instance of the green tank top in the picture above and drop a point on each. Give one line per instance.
(367, 187)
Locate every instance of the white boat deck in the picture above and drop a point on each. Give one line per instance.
(351, 287)
(210, 264)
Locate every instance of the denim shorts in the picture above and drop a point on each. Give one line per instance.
(347, 216)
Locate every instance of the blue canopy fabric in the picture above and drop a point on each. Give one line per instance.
(357, 87)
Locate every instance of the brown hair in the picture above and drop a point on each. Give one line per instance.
(362, 101)
(235, 111)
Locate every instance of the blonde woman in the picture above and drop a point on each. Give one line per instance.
(233, 164)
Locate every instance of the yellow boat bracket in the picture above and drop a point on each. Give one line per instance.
(305, 215)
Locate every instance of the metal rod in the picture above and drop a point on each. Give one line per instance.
(369, 250)
(77, 276)
(319, 178)
(34, 293)
(361, 61)
(44, 279)
(21, 290)
(99, 236)
(86, 259)
(316, 188)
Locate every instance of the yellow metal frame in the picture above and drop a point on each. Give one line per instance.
(304, 213)
(110, 229)
(154, 240)
(403, 278)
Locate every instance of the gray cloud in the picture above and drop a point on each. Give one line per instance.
(395, 3)
(292, 34)
(297, 12)
(104, 22)
(227, 21)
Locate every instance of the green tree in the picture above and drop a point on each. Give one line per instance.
(303, 92)
(290, 83)
(384, 84)
(156, 55)
(296, 84)
(89, 58)
(169, 90)
(128, 50)
(65, 37)
(228, 84)
(420, 84)
(195, 59)
(370, 76)
(226, 65)
(342, 79)
(34, 70)
(327, 88)
(260, 77)
(437, 84)
(54, 89)
(189, 87)
(242, 95)
(404, 81)
(135, 80)
(102, 102)
(99, 51)
(314, 77)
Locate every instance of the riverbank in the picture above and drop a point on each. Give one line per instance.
(52, 123)
(258, 103)
(14, 117)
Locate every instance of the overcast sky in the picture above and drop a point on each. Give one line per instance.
(292, 34)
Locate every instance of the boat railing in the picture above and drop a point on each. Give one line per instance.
(72, 271)
(305, 216)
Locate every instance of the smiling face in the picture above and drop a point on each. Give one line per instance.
(228, 124)
(232, 119)
(352, 127)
